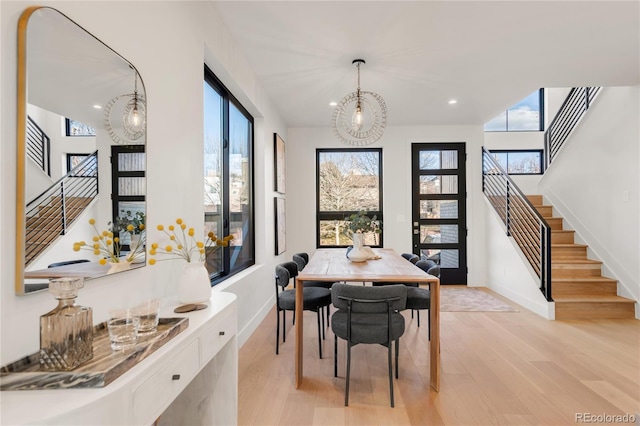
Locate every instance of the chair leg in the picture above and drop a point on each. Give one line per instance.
(277, 331)
(328, 312)
(397, 349)
(418, 314)
(294, 317)
(321, 313)
(284, 325)
(390, 372)
(412, 313)
(429, 323)
(335, 356)
(318, 314)
(346, 389)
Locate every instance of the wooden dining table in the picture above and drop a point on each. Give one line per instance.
(332, 265)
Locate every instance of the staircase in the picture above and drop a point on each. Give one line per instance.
(579, 289)
(44, 228)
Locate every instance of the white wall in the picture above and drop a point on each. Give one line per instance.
(594, 183)
(174, 40)
(396, 170)
(508, 271)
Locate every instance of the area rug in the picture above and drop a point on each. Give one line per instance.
(470, 300)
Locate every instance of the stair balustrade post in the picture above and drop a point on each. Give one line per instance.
(63, 209)
(508, 212)
(542, 260)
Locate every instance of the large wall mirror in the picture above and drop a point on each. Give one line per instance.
(81, 154)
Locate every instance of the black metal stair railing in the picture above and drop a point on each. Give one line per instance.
(50, 214)
(38, 146)
(523, 222)
(573, 108)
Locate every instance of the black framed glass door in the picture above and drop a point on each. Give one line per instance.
(439, 207)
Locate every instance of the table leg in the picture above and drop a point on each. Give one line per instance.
(299, 328)
(434, 347)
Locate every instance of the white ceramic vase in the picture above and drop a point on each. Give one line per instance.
(194, 286)
(357, 254)
(135, 241)
(118, 266)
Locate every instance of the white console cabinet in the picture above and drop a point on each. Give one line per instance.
(191, 380)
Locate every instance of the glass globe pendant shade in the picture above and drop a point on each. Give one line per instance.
(360, 117)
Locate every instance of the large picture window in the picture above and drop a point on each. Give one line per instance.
(526, 115)
(520, 162)
(228, 179)
(347, 180)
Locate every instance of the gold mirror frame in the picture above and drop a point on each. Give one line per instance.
(21, 146)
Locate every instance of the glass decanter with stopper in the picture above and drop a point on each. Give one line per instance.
(66, 333)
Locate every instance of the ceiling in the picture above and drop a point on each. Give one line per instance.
(421, 54)
(69, 70)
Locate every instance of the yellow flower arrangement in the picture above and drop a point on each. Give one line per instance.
(184, 244)
(108, 246)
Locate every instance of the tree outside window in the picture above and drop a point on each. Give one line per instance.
(348, 181)
(228, 179)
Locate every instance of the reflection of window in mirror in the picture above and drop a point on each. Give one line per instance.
(74, 159)
(128, 165)
(76, 128)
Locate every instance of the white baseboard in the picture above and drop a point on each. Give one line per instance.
(544, 309)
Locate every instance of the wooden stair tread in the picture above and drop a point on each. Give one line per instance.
(591, 298)
(576, 262)
(585, 279)
(582, 291)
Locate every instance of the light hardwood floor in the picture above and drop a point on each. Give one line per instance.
(511, 368)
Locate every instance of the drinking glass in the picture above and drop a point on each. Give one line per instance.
(123, 328)
(148, 313)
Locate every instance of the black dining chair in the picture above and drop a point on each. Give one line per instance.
(413, 258)
(368, 315)
(417, 298)
(314, 299)
(421, 297)
(301, 260)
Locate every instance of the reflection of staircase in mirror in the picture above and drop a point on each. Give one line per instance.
(44, 228)
(50, 214)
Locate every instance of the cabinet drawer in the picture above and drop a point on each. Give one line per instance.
(154, 395)
(215, 337)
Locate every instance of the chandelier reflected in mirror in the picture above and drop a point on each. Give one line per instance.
(125, 116)
(360, 117)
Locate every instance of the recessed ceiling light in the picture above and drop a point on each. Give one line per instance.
(333, 104)
(452, 101)
(97, 106)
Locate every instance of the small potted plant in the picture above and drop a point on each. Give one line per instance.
(194, 286)
(107, 245)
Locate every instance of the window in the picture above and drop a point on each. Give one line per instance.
(347, 181)
(520, 162)
(76, 128)
(128, 184)
(74, 159)
(228, 179)
(526, 115)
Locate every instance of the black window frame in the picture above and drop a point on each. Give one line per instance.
(227, 97)
(540, 153)
(540, 117)
(320, 216)
(67, 127)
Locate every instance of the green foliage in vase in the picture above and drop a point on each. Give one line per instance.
(361, 223)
